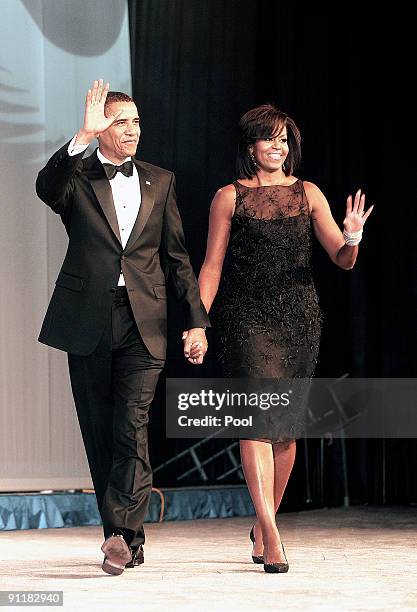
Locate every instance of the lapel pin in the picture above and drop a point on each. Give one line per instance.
(148, 182)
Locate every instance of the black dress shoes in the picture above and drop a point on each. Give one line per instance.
(137, 557)
(117, 555)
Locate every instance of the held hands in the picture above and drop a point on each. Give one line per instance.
(195, 345)
(95, 121)
(355, 215)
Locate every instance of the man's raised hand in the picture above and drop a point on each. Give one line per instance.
(95, 121)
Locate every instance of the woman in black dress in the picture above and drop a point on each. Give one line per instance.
(266, 312)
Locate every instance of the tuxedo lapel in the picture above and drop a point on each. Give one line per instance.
(99, 182)
(147, 189)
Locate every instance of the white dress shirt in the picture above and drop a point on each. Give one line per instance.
(126, 196)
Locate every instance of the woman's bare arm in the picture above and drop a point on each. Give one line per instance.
(221, 213)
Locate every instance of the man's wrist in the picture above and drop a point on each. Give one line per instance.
(84, 138)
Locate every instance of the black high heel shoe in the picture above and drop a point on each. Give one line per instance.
(277, 568)
(255, 558)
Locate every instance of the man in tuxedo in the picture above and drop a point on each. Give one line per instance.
(108, 308)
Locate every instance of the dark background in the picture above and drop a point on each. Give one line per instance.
(344, 77)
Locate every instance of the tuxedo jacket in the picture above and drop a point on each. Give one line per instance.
(78, 190)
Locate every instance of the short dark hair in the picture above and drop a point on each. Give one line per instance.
(262, 122)
(116, 96)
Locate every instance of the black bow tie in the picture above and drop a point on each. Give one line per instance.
(111, 170)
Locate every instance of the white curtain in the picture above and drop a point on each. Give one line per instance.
(51, 50)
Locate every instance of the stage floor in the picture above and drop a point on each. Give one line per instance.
(361, 558)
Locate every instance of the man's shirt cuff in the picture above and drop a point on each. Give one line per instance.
(75, 149)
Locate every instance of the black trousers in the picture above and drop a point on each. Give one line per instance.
(113, 389)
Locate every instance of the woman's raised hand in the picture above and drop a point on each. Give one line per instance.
(355, 212)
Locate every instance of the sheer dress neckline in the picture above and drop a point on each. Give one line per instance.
(270, 202)
(263, 186)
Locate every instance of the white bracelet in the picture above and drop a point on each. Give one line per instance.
(352, 238)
